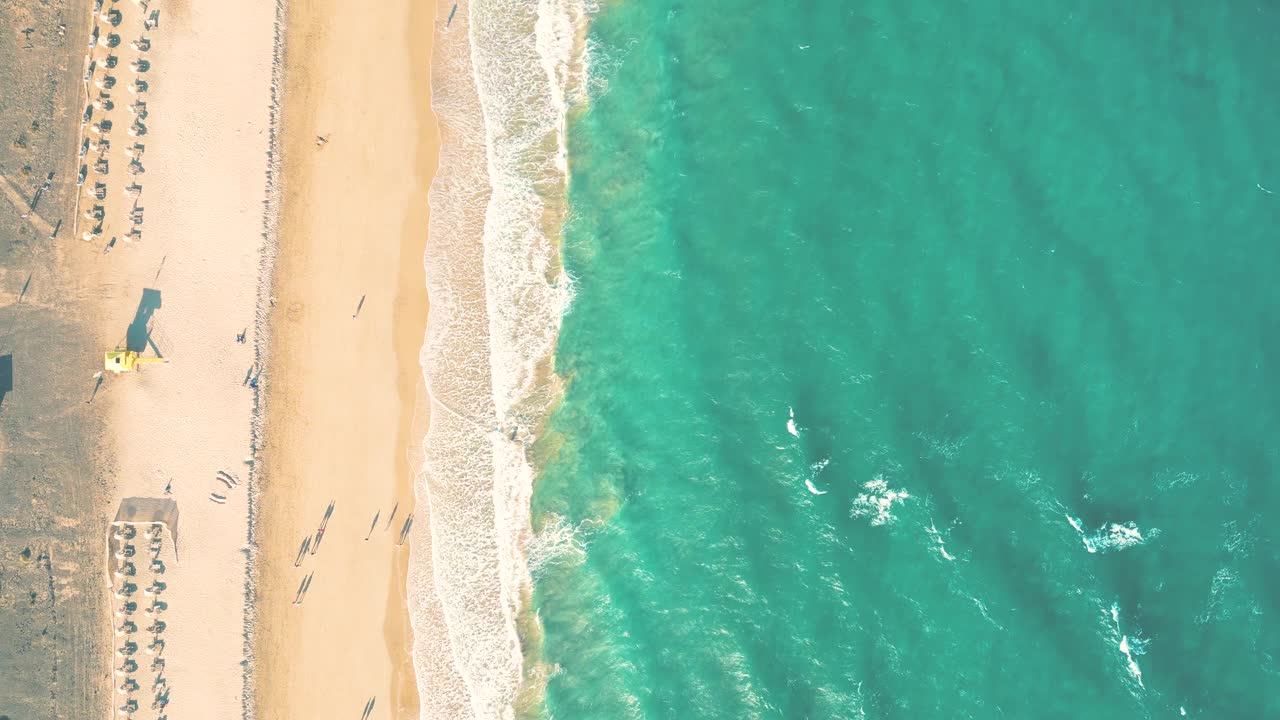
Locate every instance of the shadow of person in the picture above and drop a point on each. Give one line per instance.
(96, 387)
(6, 376)
(139, 332)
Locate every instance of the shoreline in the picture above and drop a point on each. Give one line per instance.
(342, 375)
(505, 80)
(275, 186)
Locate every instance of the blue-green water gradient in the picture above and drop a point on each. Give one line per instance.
(1013, 267)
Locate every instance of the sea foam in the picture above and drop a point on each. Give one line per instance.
(504, 74)
(1111, 536)
(877, 501)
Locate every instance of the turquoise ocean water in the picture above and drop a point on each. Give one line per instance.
(922, 364)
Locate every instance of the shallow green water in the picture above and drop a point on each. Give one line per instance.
(1015, 261)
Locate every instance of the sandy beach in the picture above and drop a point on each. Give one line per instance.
(251, 219)
(343, 377)
(184, 292)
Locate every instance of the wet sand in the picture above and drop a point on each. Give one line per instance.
(343, 379)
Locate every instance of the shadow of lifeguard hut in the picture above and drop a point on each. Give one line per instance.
(138, 335)
(145, 528)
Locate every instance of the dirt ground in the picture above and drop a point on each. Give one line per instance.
(52, 524)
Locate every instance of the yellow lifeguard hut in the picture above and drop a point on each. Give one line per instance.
(118, 361)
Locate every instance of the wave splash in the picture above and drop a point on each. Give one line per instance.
(504, 75)
(877, 501)
(1111, 536)
(557, 543)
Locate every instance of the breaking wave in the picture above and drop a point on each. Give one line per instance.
(504, 74)
(1127, 646)
(877, 501)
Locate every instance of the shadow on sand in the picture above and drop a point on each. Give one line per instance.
(139, 334)
(6, 376)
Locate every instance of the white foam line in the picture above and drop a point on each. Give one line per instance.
(937, 538)
(1123, 647)
(1084, 538)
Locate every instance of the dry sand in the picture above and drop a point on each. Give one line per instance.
(197, 270)
(342, 390)
(52, 644)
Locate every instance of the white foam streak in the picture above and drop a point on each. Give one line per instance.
(813, 488)
(1088, 544)
(1124, 647)
(1111, 536)
(937, 538)
(1134, 670)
